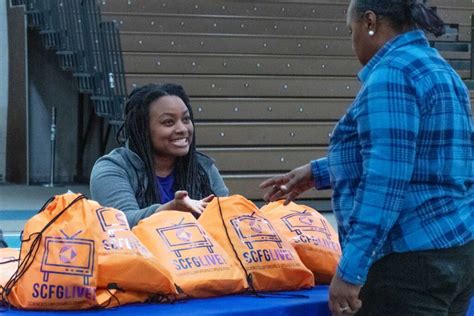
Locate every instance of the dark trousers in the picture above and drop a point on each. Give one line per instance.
(431, 283)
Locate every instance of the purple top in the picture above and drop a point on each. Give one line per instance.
(164, 185)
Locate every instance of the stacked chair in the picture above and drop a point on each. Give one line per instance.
(86, 46)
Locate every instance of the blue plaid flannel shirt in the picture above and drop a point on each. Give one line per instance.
(400, 161)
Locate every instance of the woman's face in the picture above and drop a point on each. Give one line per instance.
(171, 128)
(361, 41)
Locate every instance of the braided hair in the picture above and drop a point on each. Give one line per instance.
(402, 13)
(189, 174)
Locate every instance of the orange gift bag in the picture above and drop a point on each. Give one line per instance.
(76, 254)
(124, 262)
(58, 259)
(310, 233)
(199, 266)
(270, 262)
(9, 259)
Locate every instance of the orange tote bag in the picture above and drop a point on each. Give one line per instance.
(310, 233)
(270, 262)
(199, 266)
(58, 261)
(9, 259)
(124, 262)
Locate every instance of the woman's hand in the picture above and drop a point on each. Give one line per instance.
(290, 184)
(182, 202)
(343, 297)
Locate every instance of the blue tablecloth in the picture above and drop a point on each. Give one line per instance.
(314, 302)
(276, 305)
(228, 305)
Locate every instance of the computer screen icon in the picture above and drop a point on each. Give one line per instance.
(112, 220)
(183, 237)
(252, 228)
(69, 256)
(300, 222)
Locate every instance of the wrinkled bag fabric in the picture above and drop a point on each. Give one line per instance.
(9, 259)
(310, 233)
(199, 265)
(124, 262)
(59, 261)
(270, 262)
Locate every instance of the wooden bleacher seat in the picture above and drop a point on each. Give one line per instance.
(258, 86)
(235, 43)
(318, 9)
(456, 13)
(239, 64)
(160, 22)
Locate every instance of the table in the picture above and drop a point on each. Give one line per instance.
(304, 302)
(315, 303)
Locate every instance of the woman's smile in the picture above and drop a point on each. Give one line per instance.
(180, 142)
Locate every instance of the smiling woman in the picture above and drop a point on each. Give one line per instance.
(157, 168)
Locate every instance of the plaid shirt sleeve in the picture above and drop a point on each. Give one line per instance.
(319, 168)
(387, 125)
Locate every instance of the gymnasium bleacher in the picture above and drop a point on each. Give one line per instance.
(231, 85)
(268, 79)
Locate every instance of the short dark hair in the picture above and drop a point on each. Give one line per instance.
(403, 13)
(135, 131)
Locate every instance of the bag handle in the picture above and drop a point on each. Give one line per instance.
(247, 274)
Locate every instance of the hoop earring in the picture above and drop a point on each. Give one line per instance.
(371, 33)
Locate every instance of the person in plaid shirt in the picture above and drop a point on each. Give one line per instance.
(400, 164)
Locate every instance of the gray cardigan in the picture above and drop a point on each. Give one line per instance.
(116, 177)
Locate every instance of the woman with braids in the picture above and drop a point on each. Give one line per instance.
(400, 164)
(158, 167)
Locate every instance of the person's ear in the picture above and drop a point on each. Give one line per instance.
(370, 21)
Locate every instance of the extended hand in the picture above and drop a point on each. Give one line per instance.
(184, 203)
(290, 184)
(343, 297)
